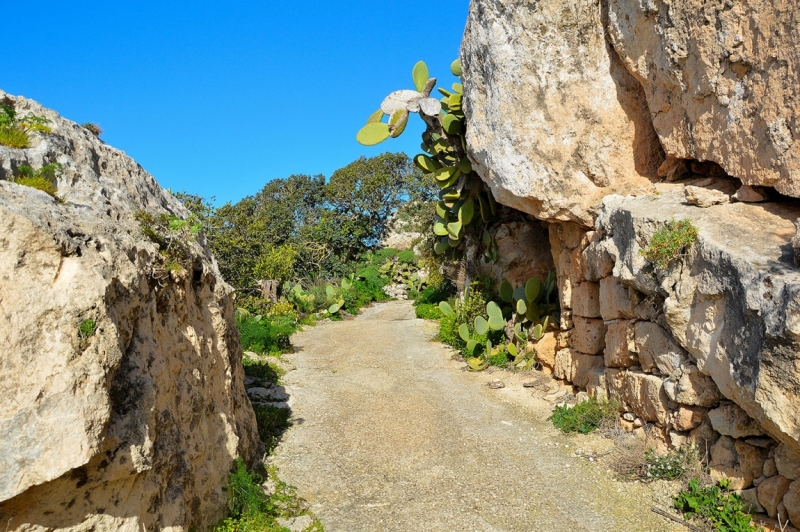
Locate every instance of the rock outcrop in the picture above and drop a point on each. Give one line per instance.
(720, 80)
(555, 121)
(134, 423)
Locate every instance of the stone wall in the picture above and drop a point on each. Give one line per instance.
(690, 351)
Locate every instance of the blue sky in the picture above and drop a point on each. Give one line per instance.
(217, 98)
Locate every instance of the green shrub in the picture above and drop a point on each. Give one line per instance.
(498, 359)
(272, 422)
(43, 179)
(716, 505)
(92, 128)
(262, 335)
(14, 130)
(428, 311)
(407, 257)
(669, 241)
(277, 262)
(434, 294)
(264, 371)
(583, 417)
(87, 328)
(14, 138)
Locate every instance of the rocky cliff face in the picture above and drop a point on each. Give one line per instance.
(134, 426)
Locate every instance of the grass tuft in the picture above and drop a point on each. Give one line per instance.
(669, 242)
(583, 417)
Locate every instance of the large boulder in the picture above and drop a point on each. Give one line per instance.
(133, 425)
(720, 80)
(555, 120)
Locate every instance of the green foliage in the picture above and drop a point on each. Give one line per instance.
(718, 506)
(263, 371)
(87, 328)
(466, 204)
(671, 466)
(669, 242)
(583, 417)
(277, 262)
(252, 510)
(263, 335)
(92, 128)
(428, 311)
(272, 422)
(43, 179)
(14, 131)
(500, 358)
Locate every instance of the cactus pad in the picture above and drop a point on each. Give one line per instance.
(373, 133)
(420, 75)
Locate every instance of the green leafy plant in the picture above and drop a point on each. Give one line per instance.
(272, 423)
(668, 242)
(277, 262)
(718, 506)
(43, 179)
(466, 204)
(14, 131)
(87, 328)
(428, 311)
(583, 417)
(92, 128)
(263, 335)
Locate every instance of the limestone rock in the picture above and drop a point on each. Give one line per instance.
(620, 350)
(689, 387)
(730, 420)
(615, 300)
(736, 461)
(750, 499)
(657, 350)
(523, 252)
(688, 417)
(640, 393)
(540, 152)
(586, 300)
(733, 301)
(136, 426)
(575, 367)
(771, 492)
(596, 385)
(545, 349)
(705, 197)
(588, 336)
(787, 461)
(792, 502)
(716, 77)
(750, 194)
(597, 262)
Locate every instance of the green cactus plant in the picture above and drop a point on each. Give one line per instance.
(466, 204)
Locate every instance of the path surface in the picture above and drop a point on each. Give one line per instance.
(390, 435)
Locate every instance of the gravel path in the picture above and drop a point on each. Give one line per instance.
(390, 435)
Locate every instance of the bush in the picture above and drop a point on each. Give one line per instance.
(92, 128)
(434, 294)
(670, 466)
(43, 179)
(669, 241)
(262, 335)
(583, 417)
(407, 257)
(716, 505)
(499, 359)
(14, 130)
(14, 138)
(428, 311)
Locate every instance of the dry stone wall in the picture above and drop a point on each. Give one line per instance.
(134, 427)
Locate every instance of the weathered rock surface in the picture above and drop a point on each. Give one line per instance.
(720, 80)
(733, 300)
(135, 427)
(555, 120)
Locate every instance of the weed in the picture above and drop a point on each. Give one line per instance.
(252, 510)
(498, 359)
(671, 466)
(669, 241)
(87, 328)
(583, 417)
(43, 179)
(262, 370)
(272, 422)
(428, 311)
(14, 130)
(92, 128)
(172, 234)
(716, 505)
(263, 335)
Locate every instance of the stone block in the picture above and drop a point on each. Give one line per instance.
(615, 301)
(596, 386)
(586, 300)
(658, 352)
(771, 492)
(588, 336)
(582, 367)
(596, 262)
(739, 462)
(787, 460)
(730, 420)
(576, 266)
(562, 369)
(690, 387)
(640, 393)
(545, 349)
(792, 502)
(703, 435)
(688, 417)
(620, 350)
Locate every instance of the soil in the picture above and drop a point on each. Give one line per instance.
(391, 433)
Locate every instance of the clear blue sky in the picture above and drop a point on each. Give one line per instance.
(217, 98)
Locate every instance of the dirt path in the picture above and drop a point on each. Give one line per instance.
(389, 435)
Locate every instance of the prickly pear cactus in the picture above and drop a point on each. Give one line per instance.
(466, 204)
